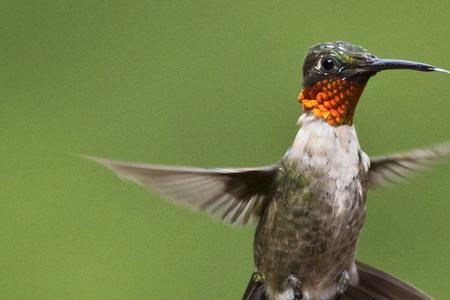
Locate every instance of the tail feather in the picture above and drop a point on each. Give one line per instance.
(373, 285)
(380, 285)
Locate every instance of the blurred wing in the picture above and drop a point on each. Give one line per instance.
(235, 196)
(377, 285)
(397, 167)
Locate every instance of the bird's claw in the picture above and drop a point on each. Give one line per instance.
(258, 277)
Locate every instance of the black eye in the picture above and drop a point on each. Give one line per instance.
(328, 64)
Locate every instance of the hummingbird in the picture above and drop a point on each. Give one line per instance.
(310, 206)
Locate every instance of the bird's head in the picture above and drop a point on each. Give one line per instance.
(334, 77)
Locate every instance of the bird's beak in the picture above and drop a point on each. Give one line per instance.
(379, 64)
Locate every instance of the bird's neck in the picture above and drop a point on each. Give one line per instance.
(319, 146)
(332, 100)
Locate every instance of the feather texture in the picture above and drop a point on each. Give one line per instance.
(396, 167)
(235, 196)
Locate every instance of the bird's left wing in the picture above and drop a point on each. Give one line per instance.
(395, 167)
(235, 196)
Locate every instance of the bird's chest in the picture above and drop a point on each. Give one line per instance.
(313, 215)
(312, 225)
(322, 179)
(316, 216)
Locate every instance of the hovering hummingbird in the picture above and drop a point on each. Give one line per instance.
(309, 207)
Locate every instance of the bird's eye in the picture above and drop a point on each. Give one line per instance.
(328, 64)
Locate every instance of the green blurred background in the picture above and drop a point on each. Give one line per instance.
(202, 83)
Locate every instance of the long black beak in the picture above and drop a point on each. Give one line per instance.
(390, 64)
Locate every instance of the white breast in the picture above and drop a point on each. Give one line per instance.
(332, 152)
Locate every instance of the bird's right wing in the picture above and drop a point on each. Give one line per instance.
(235, 196)
(396, 167)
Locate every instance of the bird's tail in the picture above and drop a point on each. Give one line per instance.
(373, 285)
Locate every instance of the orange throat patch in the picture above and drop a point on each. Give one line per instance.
(332, 100)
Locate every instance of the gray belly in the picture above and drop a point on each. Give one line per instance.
(309, 230)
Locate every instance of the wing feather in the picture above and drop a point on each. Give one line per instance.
(396, 167)
(234, 196)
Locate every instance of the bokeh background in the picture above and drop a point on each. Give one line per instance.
(206, 83)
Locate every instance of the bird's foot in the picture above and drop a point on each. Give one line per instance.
(255, 288)
(258, 277)
(296, 286)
